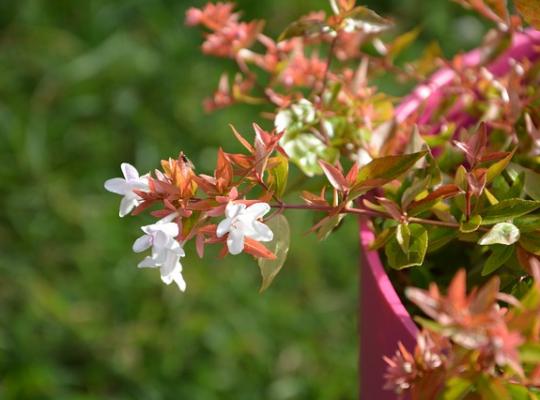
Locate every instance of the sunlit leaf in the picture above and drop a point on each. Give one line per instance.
(279, 246)
(508, 209)
(341, 6)
(278, 175)
(365, 20)
(382, 170)
(398, 259)
(501, 233)
(457, 388)
(471, 225)
(305, 27)
(403, 236)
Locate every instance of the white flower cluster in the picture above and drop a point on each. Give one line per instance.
(241, 222)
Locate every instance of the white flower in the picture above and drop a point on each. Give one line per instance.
(242, 222)
(166, 250)
(126, 186)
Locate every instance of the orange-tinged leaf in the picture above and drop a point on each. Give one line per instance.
(242, 140)
(257, 249)
(458, 289)
(530, 10)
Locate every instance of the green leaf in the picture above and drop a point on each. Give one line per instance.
(530, 353)
(279, 246)
(471, 225)
(329, 225)
(365, 20)
(528, 223)
(461, 178)
(403, 236)
(497, 168)
(532, 180)
(278, 176)
(504, 233)
(491, 388)
(457, 388)
(402, 42)
(398, 259)
(382, 170)
(507, 210)
(530, 242)
(530, 10)
(305, 27)
(518, 392)
(382, 238)
(417, 187)
(499, 255)
(439, 237)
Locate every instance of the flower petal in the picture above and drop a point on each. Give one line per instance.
(257, 210)
(130, 172)
(168, 268)
(235, 242)
(117, 185)
(126, 205)
(263, 232)
(179, 279)
(223, 227)
(143, 243)
(233, 209)
(148, 262)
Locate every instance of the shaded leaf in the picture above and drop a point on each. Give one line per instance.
(279, 246)
(499, 255)
(531, 242)
(439, 237)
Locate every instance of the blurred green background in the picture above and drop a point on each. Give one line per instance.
(88, 84)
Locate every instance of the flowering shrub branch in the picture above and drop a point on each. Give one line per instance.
(455, 166)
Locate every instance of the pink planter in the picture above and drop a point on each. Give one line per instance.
(384, 321)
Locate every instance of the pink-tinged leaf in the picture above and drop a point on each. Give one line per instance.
(353, 174)
(390, 207)
(335, 177)
(442, 192)
(199, 245)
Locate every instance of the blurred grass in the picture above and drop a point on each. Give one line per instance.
(85, 85)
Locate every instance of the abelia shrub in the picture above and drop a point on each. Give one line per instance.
(453, 168)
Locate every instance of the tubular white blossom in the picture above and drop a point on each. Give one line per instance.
(242, 222)
(126, 186)
(166, 250)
